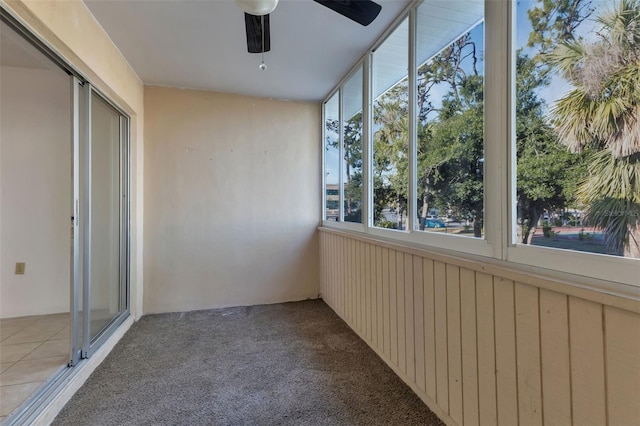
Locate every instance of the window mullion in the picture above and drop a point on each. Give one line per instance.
(324, 163)
(367, 144)
(509, 235)
(496, 131)
(341, 154)
(412, 207)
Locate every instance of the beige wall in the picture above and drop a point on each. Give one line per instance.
(231, 206)
(482, 344)
(69, 29)
(35, 196)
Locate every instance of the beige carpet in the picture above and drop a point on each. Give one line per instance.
(286, 364)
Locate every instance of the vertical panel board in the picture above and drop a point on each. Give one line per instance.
(352, 282)
(334, 287)
(334, 267)
(379, 301)
(375, 273)
(323, 259)
(371, 295)
(506, 374)
(356, 284)
(587, 362)
(385, 303)
(554, 352)
(346, 262)
(339, 288)
(336, 258)
(402, 345)
(469, 346)
(344, 276)
(393, 307)
(339, 295)
(356, 278)
(442, 363)
(367, 290)
(486, 350)
(331, 270)
(327, 275)
(360, 286)
(454, 343)
(528, 354)
(408, 314)
(622, 333)
(429, 329)
(327, 265)
(361, 295)
(349, 287)
(347, 277)
(418, 313)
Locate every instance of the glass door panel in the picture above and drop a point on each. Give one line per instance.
(103, 265)
(77, 230)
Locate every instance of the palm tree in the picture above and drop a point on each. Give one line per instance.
(602, 114)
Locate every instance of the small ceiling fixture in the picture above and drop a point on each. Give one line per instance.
(263, 66)
(257, 7)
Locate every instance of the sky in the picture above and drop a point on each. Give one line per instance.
(558, 86)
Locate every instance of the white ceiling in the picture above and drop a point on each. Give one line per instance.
(201, 44)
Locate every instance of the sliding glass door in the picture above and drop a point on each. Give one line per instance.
(100, 262)
(64, 156)
(104, 212)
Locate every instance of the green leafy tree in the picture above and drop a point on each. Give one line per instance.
(438, 152)
(458, 139)
(602, 113)
(353, 164)
(553, 21)
(547, 172)
(390, 148)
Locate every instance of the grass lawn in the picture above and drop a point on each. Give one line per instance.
(577, 245)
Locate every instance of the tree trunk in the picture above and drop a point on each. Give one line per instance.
(632, 250)
(425, 207)
(423, 213)
(527, 237)
(477, 229)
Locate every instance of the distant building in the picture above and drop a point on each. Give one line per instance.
(332, 201)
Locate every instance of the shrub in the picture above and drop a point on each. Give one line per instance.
(387, 224)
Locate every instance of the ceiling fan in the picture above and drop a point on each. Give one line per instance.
(256, 17)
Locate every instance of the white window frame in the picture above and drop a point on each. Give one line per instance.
(588, 265)
(608, 273)
(354, 226)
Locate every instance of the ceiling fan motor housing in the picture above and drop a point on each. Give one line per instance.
(257, 7)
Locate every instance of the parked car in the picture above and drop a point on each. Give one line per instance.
(435, 223)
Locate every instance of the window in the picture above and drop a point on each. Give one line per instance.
(450, 118)
(528, 157)
(352, 147)
(390, 166)
(576, 150)
(332, 157)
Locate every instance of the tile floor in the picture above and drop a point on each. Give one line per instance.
(32, 349)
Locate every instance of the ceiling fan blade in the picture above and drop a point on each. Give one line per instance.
(361, 11)
(253, 24)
